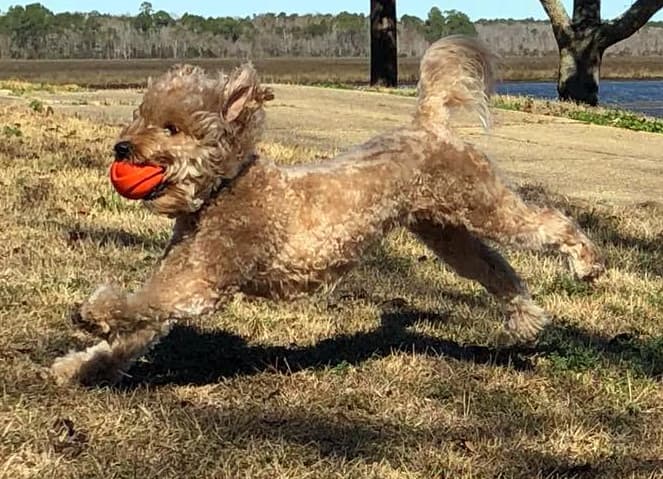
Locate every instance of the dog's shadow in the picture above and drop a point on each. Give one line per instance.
(193, 357)
(189, 356)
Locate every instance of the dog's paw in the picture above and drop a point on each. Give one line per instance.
(524, 321)
(588, 265)
(93, 366)
(591, 272)
(96, 315)
(106, 296)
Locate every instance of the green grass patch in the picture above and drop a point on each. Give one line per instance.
(595, 115)
(620, 119)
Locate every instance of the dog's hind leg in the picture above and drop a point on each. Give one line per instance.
(508, 220)
(473, 259)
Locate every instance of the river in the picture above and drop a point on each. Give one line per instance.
(645, 96)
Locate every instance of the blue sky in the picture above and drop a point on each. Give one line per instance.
(474, 8)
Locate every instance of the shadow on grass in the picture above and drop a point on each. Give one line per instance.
(114, 237)
(352, 432)
(189, 356)
(549, 466)
(575, 349)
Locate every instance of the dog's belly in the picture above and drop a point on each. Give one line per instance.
(281, 285)
(309, 263)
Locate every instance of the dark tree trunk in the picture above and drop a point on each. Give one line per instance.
(384, 52)
(583, 38)
(579, 71)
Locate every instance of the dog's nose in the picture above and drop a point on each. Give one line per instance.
(123, 150)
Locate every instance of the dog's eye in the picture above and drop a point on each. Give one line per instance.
(171, 129)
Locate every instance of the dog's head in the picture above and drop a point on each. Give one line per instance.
(200, 129)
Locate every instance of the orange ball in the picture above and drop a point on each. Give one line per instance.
(135, 181)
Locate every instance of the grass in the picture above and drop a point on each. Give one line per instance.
(605, 116)
(23, 87)
(613, 67)
(299, 70)
(62, 76)
(392, 375)
(593, 115)
(133, 73)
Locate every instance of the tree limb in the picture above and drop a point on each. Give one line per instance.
(629, 22)
(561, 23)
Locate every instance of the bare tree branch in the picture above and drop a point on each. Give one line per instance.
(629, 22)
(561, 23)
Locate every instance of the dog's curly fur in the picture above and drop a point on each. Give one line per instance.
(245, 224)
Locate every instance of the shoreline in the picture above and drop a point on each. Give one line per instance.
(313, 83)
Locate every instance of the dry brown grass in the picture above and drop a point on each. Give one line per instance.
(613, 67)
(392, 375)
(123, 73)
(301, 70)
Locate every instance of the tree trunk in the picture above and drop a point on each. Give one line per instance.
(384, 55)
(583, 38)
(579, 70)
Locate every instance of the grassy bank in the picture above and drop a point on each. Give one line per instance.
(593, 115)
(114, 74)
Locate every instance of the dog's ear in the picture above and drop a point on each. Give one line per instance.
(242, 91)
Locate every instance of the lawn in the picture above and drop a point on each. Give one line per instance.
(394, 374)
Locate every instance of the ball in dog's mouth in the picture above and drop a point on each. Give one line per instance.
(137, 182)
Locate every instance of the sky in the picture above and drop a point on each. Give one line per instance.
(475, 9)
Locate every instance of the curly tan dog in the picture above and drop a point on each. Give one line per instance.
(244, 224)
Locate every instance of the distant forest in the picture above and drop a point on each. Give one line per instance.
(34, 32)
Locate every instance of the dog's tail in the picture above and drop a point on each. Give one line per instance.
(456, 72)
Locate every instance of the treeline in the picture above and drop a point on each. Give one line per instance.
(34, 32)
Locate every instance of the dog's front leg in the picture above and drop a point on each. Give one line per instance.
(132, 324)
(107, 361)
(110, 312)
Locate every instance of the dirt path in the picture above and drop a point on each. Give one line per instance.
(569, 157)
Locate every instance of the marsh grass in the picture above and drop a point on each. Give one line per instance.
(393, 374)
(298, 70)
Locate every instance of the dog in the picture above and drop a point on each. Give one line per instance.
(243, 224)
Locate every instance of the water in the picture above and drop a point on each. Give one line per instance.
(645, 96)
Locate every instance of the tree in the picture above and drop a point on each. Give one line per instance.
(146, 8)
(412, 21)
(583, 38)
(450, 22)
(162, 19)
(28, 27)
(384, 53)
(459, 23)
(435, 25)
(143, 20)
